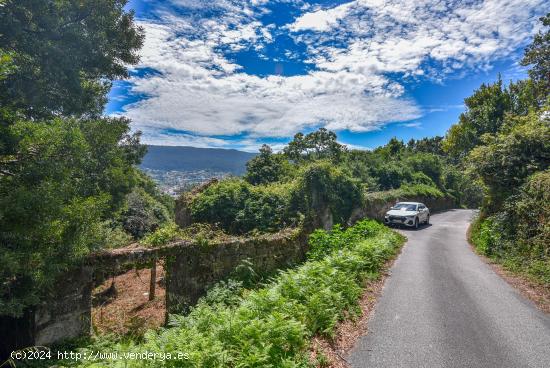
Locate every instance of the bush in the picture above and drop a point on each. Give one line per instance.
(239, 208)
(143, 214)
(322, 243)
(164, 235)
(519, 235)
(322, 185)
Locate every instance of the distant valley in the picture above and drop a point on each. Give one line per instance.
(178, 168)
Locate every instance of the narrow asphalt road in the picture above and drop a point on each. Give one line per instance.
(444, 307)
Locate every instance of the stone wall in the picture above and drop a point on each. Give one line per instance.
(192, 270)
(67, 312)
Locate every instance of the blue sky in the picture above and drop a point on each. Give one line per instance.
(236, 74)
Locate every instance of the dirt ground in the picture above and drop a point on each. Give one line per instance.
(127, 309)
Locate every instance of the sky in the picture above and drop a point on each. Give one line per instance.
(241, 73)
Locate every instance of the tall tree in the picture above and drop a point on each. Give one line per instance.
(537, 56)
(66, 53)
(267, 167)
(485, 111)
(321, 144)
(64, 169)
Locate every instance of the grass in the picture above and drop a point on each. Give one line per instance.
(272, 325)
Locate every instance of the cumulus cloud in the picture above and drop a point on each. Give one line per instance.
(356, 48)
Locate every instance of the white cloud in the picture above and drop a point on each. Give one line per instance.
(354, 47)
(402, 36)
(321, 20)
(416, 124)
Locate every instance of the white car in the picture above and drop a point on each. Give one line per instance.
(408, 213)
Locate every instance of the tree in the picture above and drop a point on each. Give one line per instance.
(537, 55)
(66, 54)
(143, 214)
(325, 187)
(66, 179)
(321, 144)
(267, 167)
(64, 170)
(485, 111)
(427, 145)
(394, 147)
(505, 160)
(426, 163)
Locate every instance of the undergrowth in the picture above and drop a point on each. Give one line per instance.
(488, 238)
(270, 326)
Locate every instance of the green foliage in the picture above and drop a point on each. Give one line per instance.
(485, 114)
(428, 164)
(537, 55)
(56, 192)
(267, 167)
(512, 163)
(392, 174)
(197, 233)
(239, 207)
(323, 185)
(519, 234)
(465, 187)
(167, 233)
(66, 53)
(270, 326)
(318, 145)
(431, 145)
(143, 213)
(508, 158)
(321, 242)
(405, 191)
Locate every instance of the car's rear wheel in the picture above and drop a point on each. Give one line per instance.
(416, 223)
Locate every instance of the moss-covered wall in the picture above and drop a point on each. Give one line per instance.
(192, 270)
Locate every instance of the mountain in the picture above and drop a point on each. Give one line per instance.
(181, 158)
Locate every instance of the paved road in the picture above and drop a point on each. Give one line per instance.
(444, 307)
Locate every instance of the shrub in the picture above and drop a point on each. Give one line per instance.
(164, 235)
(143, 214)
(323, 185)
(519, 235)
(267, 167)
(238, 207)
(323, 242)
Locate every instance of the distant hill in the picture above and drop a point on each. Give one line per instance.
(180, 158)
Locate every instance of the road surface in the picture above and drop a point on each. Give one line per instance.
(443, 306)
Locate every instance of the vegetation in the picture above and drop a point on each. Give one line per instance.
(272, 326)
(68, 178)
(314, 175)
(69, 185)
(504, 142)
